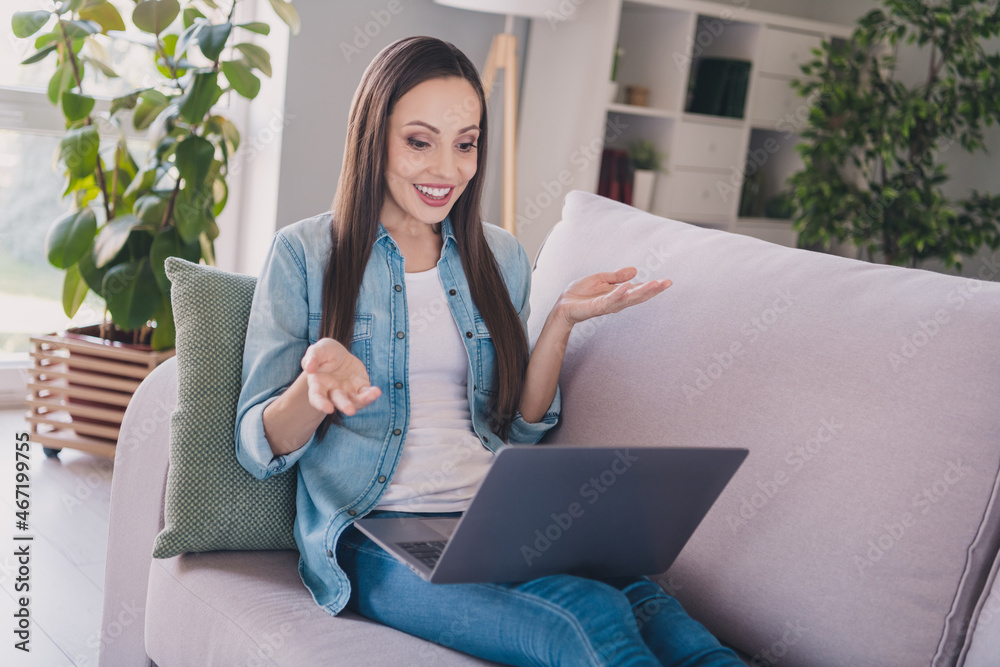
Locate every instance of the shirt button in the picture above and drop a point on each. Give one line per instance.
(468, 334)
(451, 292)
(485, 439)
(399, 288)
(396, 431)
(351, 512)
(399, 385)
(329, 553)
(381, 479)
(400, 334)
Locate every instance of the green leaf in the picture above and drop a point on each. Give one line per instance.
(164, 335)
(241, 78)
(287, 13)
(193, 160)
(70, 237)
(169, 243)
(154, 16)
(143, 181)
(151, 103)
(131, 293)
(191, 212)
(190, 14)
(220, 192)
(231, 134)
(74, 291)
(75, 106)
(112, 238)
(38, 55)
(125, 101)
(255, 26)
(62, 79)
(256, 57)
(105, 15)
(103, 66)
(26, 24)
(212, 39)
(79, 29)
(200, 96)
(78, 150)
(47, 38)
(150, 209)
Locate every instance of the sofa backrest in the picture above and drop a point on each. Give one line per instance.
(864, 523)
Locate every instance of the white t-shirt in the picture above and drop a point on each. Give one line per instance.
(443, 462)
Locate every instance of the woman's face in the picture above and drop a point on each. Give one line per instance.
(432, 150)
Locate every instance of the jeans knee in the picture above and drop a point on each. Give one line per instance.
(596, 621)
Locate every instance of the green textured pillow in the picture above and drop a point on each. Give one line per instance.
(212, 502)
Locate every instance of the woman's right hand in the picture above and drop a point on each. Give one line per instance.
(337, 379)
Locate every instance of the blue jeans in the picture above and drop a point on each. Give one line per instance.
(553, 620)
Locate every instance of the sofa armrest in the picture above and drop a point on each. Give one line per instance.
(136, 517)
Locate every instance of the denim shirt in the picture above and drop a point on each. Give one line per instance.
(341, 478)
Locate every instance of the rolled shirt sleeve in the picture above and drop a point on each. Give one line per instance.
(521, 431)
(276, 340)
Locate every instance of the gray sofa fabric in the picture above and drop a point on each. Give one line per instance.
(862, 529)
(864, 524)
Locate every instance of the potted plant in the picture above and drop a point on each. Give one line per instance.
(645, 161)
(128, 215)
(872, 149)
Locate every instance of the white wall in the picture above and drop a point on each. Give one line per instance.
(325, 63)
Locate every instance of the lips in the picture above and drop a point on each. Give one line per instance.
(431, 200)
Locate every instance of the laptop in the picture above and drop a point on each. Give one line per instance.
(562, 509)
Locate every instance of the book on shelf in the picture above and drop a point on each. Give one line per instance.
(615, 180)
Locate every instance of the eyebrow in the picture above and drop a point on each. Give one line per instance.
(437, 131)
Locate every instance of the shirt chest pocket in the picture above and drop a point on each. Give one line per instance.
(361, 341)
(486, 357)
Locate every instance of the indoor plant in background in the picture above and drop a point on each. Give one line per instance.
(128, 215)
(645, 160)
(872, 147)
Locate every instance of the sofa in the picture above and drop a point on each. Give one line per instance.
(862, 529)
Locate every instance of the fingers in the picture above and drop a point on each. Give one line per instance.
(621, 275)
(629, 294)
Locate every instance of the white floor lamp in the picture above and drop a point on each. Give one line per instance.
(503, 55)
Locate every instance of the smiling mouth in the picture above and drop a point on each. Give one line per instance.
(433, 193)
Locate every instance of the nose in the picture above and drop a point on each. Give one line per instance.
(445, 165)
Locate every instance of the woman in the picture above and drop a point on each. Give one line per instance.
(387, 355)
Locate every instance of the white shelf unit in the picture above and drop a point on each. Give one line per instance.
(708, 156)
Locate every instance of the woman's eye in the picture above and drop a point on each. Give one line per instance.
(467, 147)
(416, 143)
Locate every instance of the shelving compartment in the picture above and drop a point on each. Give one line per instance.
(624, 128)
(770, 160)
(774, 104)
(656, 53)
(721, 54)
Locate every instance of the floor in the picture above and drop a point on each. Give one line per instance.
(67, 514)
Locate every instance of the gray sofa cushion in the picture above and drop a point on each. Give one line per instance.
(864, 523)
(250, 608)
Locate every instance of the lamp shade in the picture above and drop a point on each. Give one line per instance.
(528, 8)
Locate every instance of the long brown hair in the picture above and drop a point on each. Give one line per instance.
(361, 192)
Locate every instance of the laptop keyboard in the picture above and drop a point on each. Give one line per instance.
(426, 552)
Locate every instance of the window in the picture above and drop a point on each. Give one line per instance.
(31, 181)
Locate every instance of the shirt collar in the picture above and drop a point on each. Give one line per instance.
(447, 232)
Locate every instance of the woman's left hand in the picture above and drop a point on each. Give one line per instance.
(606, 292)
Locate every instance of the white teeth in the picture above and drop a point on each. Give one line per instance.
(438, 193)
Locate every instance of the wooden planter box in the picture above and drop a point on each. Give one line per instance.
(80, 385)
